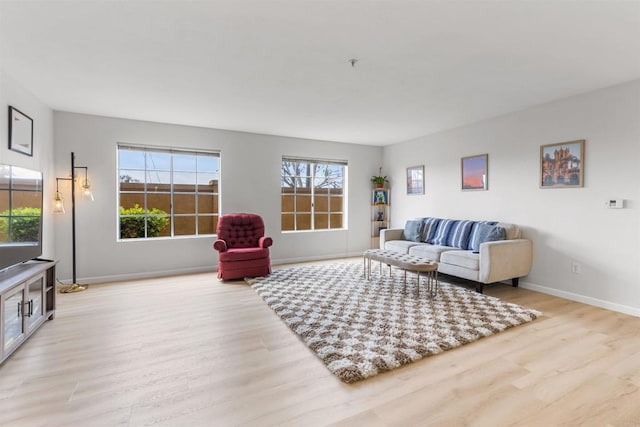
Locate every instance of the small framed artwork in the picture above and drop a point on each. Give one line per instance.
(475, 172)
(20, 132)
(415, 180)
(562, 165)
(380, 197)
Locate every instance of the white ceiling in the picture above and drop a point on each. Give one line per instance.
(281, 67)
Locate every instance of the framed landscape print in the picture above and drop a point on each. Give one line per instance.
(562, 165)
(415, 180)
(475, 170)
(20, 132)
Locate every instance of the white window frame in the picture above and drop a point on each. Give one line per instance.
(171, 214)
(316, 161)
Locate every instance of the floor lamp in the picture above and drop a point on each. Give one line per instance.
(59, 208)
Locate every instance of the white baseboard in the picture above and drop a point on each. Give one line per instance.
(625, 309)
(209, 269)
(143, 275)
(633, 311)
(315, 258)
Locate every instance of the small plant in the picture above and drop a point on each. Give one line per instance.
(379, 180)
(132, 222)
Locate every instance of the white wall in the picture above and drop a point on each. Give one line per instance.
(12, 93)
(566, 225)
(250, 182)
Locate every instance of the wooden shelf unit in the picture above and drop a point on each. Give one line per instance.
(380, 213)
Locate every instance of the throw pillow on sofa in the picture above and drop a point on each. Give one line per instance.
(474, 231)
(413, 230)
(441, 235)
(487, 233)
(429, 226)
(459, 234)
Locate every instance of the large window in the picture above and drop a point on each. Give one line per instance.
(313, 194)
(167, 193)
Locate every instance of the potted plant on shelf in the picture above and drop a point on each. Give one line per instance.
(379, 180)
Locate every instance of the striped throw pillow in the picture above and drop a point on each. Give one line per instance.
(429, 226)
(474, 231)
(459, 234)
(441, 235)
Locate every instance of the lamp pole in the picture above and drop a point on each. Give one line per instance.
(74, 287)
(73, 216)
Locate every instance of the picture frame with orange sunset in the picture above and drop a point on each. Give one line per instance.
(475, 172)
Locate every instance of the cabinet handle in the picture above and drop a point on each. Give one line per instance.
(30, 307)
(19, 308)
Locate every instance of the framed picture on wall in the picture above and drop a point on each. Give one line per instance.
(475, 172)
(415, 180)
(20, 132)
(562, 165)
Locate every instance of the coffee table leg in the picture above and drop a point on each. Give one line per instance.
(437, 282)
(427, 280)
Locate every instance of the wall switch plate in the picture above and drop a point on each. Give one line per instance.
(615, 203)
(576, 268)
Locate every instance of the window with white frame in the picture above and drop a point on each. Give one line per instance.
(312, 194)
(167, 192)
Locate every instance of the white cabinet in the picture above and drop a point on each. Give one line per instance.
(380, 213)
(27, 299)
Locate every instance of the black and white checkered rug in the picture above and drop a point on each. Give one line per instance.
(361, 328)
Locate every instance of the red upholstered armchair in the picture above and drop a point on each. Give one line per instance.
(244, 251)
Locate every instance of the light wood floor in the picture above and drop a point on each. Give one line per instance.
(190, 351)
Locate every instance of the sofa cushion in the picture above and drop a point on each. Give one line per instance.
(441, 235)
(487, 233)
(466, 259)
(428, 251)
(413, 230)
(401, 246)
(459, 234)
(429, 226)
(243, 254)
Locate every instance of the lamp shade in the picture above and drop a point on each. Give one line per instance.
(86, 190)
(58, 204)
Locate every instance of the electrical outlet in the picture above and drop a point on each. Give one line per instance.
(576, 268)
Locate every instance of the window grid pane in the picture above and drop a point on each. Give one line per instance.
(311, 194)
(161, 191)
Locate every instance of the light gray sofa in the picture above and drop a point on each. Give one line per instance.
(449, 243)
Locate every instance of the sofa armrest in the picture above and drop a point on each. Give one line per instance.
(505, 259)
(390, 234)
(220, 245)
(265, 242)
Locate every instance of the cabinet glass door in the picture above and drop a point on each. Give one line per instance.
(12, 313)
(34, 306)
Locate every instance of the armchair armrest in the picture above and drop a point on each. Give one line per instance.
(505, 259)
(390, 234)
(220, 245)
(265, 242)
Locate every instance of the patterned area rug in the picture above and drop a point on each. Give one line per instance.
(361, 328)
